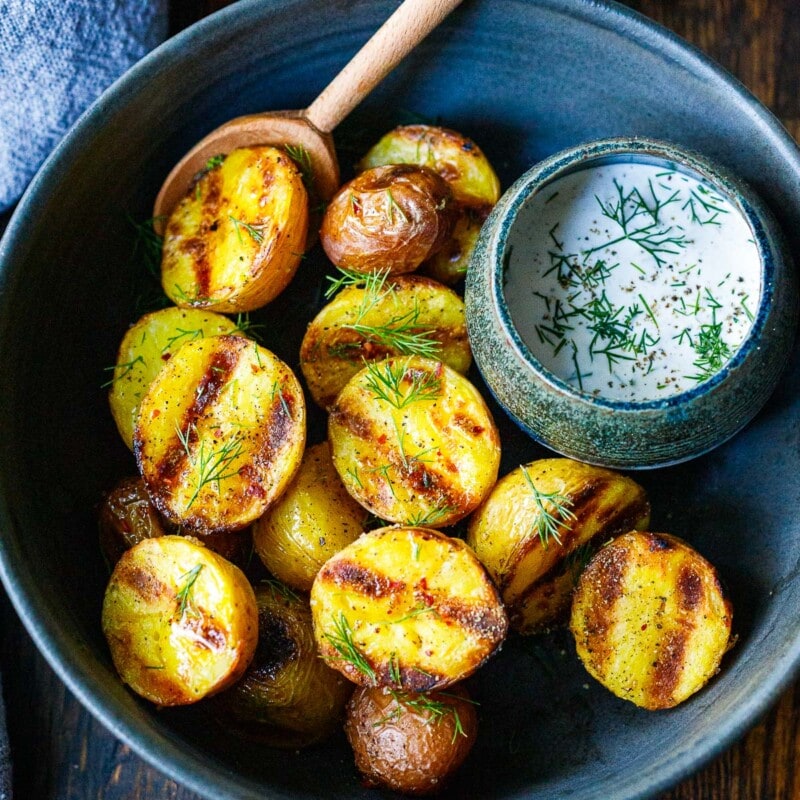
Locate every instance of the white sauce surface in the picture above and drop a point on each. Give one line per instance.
(632, 281)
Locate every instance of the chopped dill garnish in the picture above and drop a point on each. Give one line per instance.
(214, 162)
(301, 157)
(392, 207)
(341, 640)
(278, 589)
(147, 244)
(126, 368)
(553, 512)
(255, 234)
(396, 384)
(435, 710)
(213, 465)
(182, 333)
(430, 517)
(185, 592)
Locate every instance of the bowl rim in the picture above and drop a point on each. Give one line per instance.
(639, 148)
(73, 665)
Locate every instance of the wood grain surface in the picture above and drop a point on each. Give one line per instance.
(59, 751)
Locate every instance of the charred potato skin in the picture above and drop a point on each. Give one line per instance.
(466, 169)
(288, 697)
(536, 578)
(224, 401)
(412, 459)
(181, 621)
(146, 346)
(313, 520)
(650, 619)
(236, 239)
(400, 747)
(388, 218)
(417, 607)
(332, 352)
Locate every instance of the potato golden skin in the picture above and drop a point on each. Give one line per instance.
(313, 520)
(181, 621)
(335, 348)
(408, 608)
(288, 697)
(650, 619)
(220, 433)
(590, 505)
(236, 239)
(466, 169)
(147, 345)
(388, 218)
(400, 745)
(414, 442)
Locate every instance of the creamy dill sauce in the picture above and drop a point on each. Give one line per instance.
(632, 281)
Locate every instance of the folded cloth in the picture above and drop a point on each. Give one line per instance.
(56, 56)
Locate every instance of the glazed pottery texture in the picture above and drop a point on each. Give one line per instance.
(618, 433)
(525, 80)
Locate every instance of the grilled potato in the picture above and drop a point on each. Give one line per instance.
(389, 218)
(414, 442)
(410, 743)
(180, 620)
(408, 608)
(650, 619)
(220, 433)
(539, 527)
(288, 697)
(145, 348)
(314, 519)
(466, 169)
(236, 239)
(379, 317)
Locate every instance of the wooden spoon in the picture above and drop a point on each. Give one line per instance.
(311, 128)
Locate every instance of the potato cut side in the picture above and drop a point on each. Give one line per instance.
(414, 442)
(146, 347)
(408, 608)
(288, 697)
(540, 526)
(388, 218)
(313, 520)
(236, 239)
(220, 433)
(378, 317)
(650, 619)
(181, 621)
(466, 169)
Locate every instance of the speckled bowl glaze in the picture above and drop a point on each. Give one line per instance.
(621, 433)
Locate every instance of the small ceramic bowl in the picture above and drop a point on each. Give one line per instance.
(612, 431)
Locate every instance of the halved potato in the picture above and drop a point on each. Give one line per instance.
(148, 344)
(236, 239)
(540, 526)
(411, 743)
(378, 318)
(389, 218)
(313, 520)
(414, 442)
(463, 165)
(180, 620)
(220, 433)
(408, 608)
(650, 619)
(288, 697)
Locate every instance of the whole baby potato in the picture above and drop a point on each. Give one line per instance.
(388, 218)
(313, 520)
(650, 619)
(288, 697)
(539, 527)
(411, 743)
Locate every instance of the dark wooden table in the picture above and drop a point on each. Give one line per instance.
(60, 751)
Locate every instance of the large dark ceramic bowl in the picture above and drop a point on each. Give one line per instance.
(525, 79)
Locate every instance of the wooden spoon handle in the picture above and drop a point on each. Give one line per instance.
(400, 34)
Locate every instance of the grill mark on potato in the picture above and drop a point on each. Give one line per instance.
(146, 585)
(207, 634)
(487, 622)
(366, 581)
(690, 588)
(276, 646)
(667, 668)
(354, 423)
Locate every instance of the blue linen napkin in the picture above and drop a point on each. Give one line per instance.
(56, 57)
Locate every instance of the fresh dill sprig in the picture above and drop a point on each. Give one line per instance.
(435, 710)
(213, 465)
(301, 157)
(182, 333)
(401, 333)
(388, 380)
(373, 282)
(341, 640)
(192, 300)
(712, 352)
(147, 244)
(214, 162)
(126, 368)
(393, 207)
(278, 589)
(247, 327)
(255, 234)
(185, 592)
(553, 512)
(430, 517)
